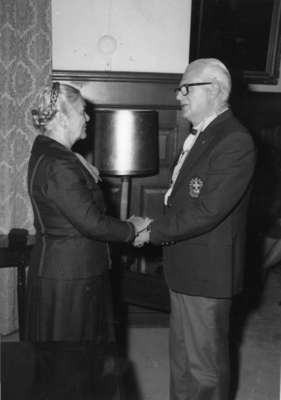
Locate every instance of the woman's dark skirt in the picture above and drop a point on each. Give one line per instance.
(69, 310)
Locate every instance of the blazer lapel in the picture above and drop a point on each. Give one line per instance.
(201, 144)
(196, 151)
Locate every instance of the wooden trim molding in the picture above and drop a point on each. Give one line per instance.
(156, 107)
(109, 76)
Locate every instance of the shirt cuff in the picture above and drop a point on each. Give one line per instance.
(132, 233)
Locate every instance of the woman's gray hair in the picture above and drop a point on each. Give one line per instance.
(53, 98)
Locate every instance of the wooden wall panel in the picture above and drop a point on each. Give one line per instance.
(151, 200)
(166, 146)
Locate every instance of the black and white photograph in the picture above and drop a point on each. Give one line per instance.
(140, 200)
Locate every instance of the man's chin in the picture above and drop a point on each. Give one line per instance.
(185, 112)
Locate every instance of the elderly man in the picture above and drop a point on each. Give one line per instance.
(203, 233)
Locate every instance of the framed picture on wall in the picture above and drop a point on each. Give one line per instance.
(244, 34)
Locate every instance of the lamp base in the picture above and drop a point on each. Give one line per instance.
(124, 202)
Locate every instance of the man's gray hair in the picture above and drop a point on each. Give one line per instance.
(214, 69)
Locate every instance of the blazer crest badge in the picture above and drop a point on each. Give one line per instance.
(195, 186)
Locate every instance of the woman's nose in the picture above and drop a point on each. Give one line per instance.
(86, 117)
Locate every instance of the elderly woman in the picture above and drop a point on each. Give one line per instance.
(67, 280)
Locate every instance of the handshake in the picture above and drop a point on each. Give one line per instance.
(142, 231)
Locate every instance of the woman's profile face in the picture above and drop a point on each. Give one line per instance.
(77, 121)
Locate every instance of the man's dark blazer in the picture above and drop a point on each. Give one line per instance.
(69, 215)
(203, 229)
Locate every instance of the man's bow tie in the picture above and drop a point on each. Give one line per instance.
(193, 131)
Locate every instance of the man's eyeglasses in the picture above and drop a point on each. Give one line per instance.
(184, 89)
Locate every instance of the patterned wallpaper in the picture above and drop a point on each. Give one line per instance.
(25, 67)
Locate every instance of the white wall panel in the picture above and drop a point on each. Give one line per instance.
(121, 35)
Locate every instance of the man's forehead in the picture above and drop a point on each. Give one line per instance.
(190, 75)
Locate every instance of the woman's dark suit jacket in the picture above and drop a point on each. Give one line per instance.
(69, 215)
(203, 230)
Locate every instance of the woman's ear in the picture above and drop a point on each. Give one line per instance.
(62, 119)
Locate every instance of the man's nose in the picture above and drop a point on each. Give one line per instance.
(179, 95)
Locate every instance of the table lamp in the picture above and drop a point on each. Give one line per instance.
(126, 145)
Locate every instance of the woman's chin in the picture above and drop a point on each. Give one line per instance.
(83, 135)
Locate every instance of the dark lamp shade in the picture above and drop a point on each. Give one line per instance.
(126, 142)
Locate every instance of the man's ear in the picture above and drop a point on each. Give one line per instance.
(215, 88)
